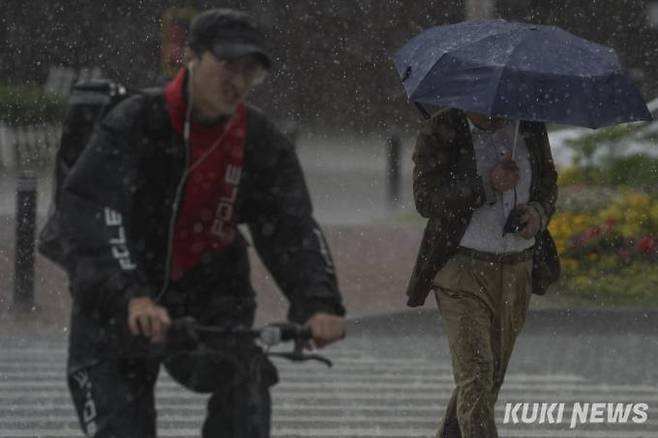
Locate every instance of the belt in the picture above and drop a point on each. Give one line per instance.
(508, 258)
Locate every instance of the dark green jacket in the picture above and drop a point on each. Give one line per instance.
(447, 189)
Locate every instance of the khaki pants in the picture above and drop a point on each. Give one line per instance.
(483, 305)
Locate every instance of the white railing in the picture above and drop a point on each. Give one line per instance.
(28, 145)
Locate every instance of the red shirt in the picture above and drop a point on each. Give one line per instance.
(205, 219)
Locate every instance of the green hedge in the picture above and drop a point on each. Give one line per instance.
(634, 284)
(20, 105)
(639, 171)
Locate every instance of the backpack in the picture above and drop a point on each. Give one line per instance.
(88, 104)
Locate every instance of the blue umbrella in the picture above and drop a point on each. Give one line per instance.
(519, 71)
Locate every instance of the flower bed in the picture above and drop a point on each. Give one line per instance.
(609, 253)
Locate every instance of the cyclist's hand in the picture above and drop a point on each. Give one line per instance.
(148, 319)
(326, 328)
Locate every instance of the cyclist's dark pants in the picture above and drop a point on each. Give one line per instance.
(114, 395)
(114, 398)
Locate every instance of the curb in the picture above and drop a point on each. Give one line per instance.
(556, 321)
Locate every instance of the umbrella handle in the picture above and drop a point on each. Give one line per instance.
(426, 115)
(407, 74)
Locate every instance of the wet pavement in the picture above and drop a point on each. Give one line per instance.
(392, 378)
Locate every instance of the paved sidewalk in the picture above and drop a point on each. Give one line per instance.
(392, 377)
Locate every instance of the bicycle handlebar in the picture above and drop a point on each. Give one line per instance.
(269, 335)
(184, 334)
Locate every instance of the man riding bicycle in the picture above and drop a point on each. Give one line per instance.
(152, 207)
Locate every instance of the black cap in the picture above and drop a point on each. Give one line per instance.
(228, 34)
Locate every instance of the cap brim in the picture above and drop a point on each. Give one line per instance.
(227, 50)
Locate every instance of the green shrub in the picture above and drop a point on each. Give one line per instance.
(633, 171)
(21, 105)
(630, 285)
(637, 171)
(585, 199)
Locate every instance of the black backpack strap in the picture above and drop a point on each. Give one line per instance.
(156, 114)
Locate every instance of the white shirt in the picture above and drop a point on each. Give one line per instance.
(485, 230)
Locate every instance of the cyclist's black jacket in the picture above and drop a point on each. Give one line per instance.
(133, 166)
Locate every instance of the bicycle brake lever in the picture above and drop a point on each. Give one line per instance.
(301, 357)
(298, 354)
(319, 358)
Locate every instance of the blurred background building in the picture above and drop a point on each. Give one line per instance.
(333, 83)
(332, 57)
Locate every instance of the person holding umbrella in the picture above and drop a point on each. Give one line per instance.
(466, 181)
(485, 178)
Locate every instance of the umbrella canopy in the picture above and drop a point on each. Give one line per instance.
(519, 71)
